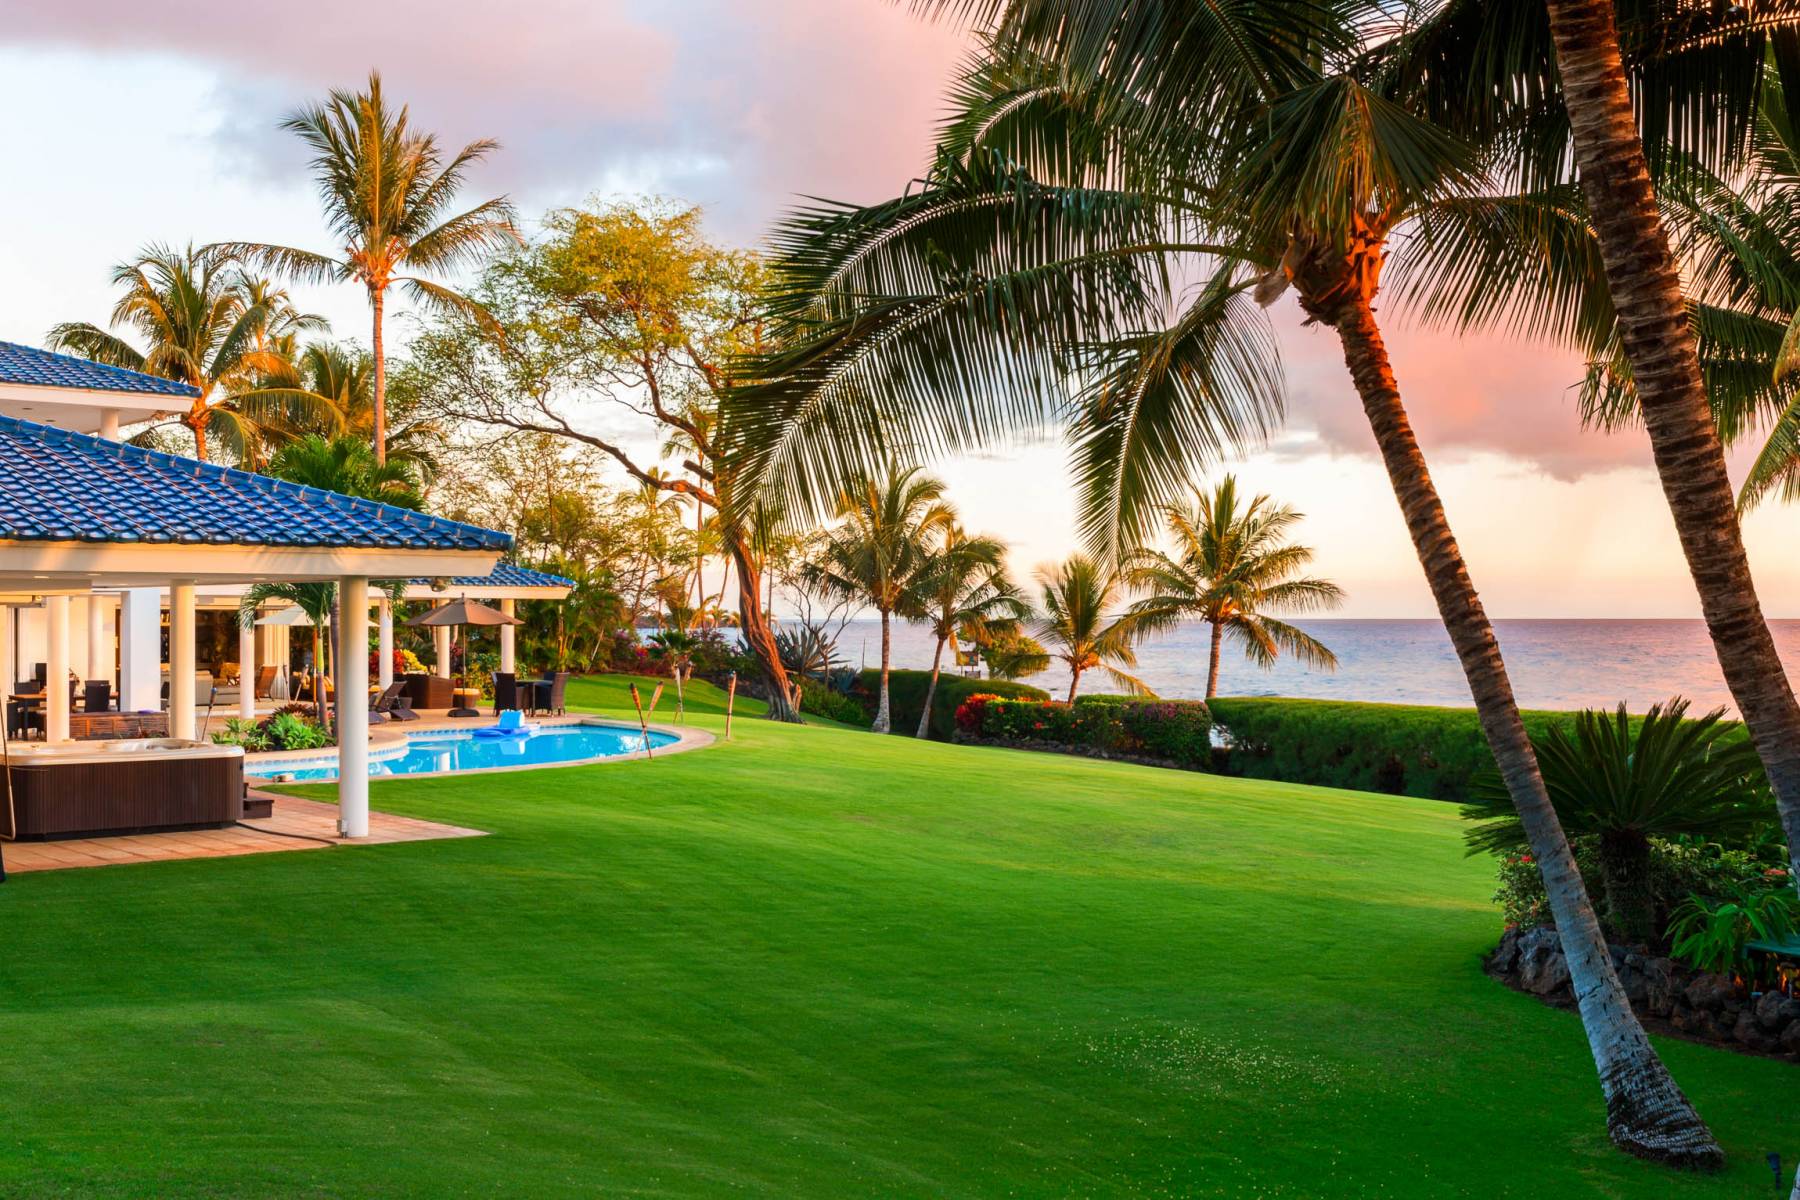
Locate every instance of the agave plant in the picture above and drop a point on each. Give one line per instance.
(1623, 783)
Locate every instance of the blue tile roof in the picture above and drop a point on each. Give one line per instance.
(507, 575)
(41, 368)
(61, 486)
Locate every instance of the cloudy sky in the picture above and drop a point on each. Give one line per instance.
(131, 123)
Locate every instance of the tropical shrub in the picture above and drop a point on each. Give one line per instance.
(282, 730)
(1400, 749)
(1175, 731)
(821, 700)
(1623, 782)
(1714, 933)
(906, 697)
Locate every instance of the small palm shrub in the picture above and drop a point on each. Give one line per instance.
(1622, 783)
(1714, 934)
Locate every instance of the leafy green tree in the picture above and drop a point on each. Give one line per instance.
(201, 320)
(878, 551)
(1098, 150)
(962, 591)
(386, 190)
(1231, 569)
(1623, 783)
(1079, 625)
(1014, 656)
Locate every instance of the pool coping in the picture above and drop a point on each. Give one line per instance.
(388, 742)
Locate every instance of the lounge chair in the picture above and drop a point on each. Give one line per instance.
(265, 682)
(385, 706)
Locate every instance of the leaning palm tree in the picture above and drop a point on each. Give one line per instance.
(1263, 146)
(877, 552)
(962, 590)
(201, 320)
(1691, 80)
(1232, 569)
(386, 188)
(1079, 626)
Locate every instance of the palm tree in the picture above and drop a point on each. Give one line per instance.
(343, 376)
(319, 602)
(962, 591)
(1622, 785)
(348, 466)
(876, 553)
(202, 321)
(1267, 146)
(1697, 98)
(1078, 596)
(1231, 569)
(385, 188)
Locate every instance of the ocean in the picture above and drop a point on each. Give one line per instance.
(1554, 664)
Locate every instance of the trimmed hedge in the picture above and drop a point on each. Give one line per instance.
(906, 697)
(819, 700)
(1170, 731)
(1400, 749)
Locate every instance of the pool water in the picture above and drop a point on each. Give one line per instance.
(460, 750)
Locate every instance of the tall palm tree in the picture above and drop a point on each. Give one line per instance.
(962, 590)
(1269, 146)
(1231, 569)
(1078, 624)
(386, 189)
(204, 322)
(876, 553)
(1697, 93)
(343, 375)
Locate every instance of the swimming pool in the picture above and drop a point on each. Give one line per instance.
(461, 750)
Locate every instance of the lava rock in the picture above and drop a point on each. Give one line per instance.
(1790, 1038)
(1543, 970)
(1710, 991)
(1749, 1032)
(1661, 986)
(1775, 1012)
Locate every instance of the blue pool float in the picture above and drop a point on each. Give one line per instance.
(512, 725)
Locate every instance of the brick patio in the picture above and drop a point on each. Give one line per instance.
(299, 819)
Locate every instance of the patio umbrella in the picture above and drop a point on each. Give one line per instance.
(463, 613)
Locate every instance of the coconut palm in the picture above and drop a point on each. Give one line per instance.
(201, 320)
(319, 602)
(386, 190)
(1231, 569)
(1099, 150)
(347, 465)
(962, 591)
(876, 553)
(1623, 783)
(343, 375)
(1078, 624)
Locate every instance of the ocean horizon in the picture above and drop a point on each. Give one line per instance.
(1555, 663)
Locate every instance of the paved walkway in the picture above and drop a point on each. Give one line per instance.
(309, 824)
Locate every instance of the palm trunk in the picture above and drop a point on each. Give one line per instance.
(784, 700)
(884, 720)
(377, 304)
(937, 662)
(198, 425)
(1647, 1114)
(1212, 670)
(1625, 870)
(1074, 682)
(1645, 283)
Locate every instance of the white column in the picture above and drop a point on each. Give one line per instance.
(56, 669)
(9, 670)
(440, 648)
(109, 424)
(247, 670)
(99, 662)
(181, 660)
(506, 639)
(353, 710)
(140, 650)
(384, 643)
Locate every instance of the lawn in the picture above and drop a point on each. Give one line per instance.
(817, 962)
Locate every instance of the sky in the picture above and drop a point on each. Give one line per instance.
(127, 124)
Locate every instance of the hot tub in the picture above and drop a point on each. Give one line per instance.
(79, 789)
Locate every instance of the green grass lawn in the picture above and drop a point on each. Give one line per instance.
(818, 962)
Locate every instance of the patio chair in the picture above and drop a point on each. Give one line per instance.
(265, 682)
(385, 706)
(557, 683)
(97, 696)
(506, 692)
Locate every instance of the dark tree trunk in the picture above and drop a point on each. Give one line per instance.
(1645, 283)
(1212, 670)
(937, 664)
(1625, 868)
(784, 701)
(1647, 1114)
